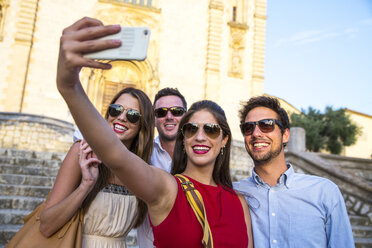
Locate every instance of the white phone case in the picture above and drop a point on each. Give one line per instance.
(134, 45)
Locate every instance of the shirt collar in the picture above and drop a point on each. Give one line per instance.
(285, 179)
(158, 144)
(288, 176)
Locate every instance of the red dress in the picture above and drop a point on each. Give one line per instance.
(225, 216)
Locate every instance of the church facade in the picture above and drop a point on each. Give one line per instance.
(211, 49)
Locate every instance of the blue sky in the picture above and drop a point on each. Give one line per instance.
(319, 53)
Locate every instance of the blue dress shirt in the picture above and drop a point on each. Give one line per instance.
(300, 211)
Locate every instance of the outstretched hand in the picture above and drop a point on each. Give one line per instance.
(78, 39)
(89, 164)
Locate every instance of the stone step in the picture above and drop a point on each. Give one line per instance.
(362, 231)
(366, 174)
(24, 190)
(363, 242)
(7, 232)
(20, 202)
(26, 180)
(13, 216)
(28, 170)
(35, 162)
(32, 154)
(359, 220)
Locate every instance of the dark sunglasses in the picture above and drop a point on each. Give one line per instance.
(175, 111)
(266, 126)
(211, 130)
(132, 115)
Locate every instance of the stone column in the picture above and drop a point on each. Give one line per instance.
(297, 140)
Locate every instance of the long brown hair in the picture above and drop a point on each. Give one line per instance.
(221, 170)
(142, 146)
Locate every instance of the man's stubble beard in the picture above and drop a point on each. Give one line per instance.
(266, 157)
(166, 138)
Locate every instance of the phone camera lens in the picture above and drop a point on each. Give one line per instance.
(146, 32)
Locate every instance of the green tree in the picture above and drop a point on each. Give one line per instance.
(331, 130)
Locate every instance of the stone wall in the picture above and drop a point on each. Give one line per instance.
(241, 164)
(34, 132)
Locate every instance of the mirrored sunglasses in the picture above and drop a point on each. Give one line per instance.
(175, 111)
(210, 129)
(132, 115)
(266, 126)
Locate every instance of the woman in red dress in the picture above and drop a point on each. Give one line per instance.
(201, 154)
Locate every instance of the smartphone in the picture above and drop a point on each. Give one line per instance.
(134, 45)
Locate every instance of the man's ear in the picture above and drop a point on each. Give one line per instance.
(286, 135)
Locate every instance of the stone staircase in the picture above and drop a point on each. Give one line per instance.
(352, 175)
(26, 178)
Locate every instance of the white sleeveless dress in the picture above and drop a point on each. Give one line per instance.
(109, 218)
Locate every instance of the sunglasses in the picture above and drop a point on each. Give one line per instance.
(266, 126)
(175, 111)
(132, 115)
(211, 130)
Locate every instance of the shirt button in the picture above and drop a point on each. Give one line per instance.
(274, 241)
(273, 214)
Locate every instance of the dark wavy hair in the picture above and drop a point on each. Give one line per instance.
(267, 102)
(170, 92)
(221, 170)
(142, 146)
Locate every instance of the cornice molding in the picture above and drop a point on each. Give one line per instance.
(132, 6)
(260, 16)
(237, 25)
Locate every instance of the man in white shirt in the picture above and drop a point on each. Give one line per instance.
(169, 106)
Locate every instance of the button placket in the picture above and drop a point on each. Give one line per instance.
(273, 223)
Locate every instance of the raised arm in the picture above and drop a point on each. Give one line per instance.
(154, 186)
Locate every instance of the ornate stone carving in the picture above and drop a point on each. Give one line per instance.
(237, 47)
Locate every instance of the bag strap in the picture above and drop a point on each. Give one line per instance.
(196, 202)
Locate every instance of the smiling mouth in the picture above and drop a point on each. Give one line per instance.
(260, 145)
(169, 126)
(119, 128)
(200, 149)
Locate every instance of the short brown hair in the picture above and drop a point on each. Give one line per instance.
(267, 102)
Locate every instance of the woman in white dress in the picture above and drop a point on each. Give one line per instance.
(111, 211)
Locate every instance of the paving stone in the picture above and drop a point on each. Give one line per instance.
(20, 202)
(24, 190)
(26, 180)
(13, 216)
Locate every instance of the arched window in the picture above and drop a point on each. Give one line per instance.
(102, 85)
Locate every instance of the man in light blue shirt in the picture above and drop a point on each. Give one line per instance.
(288, 209)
